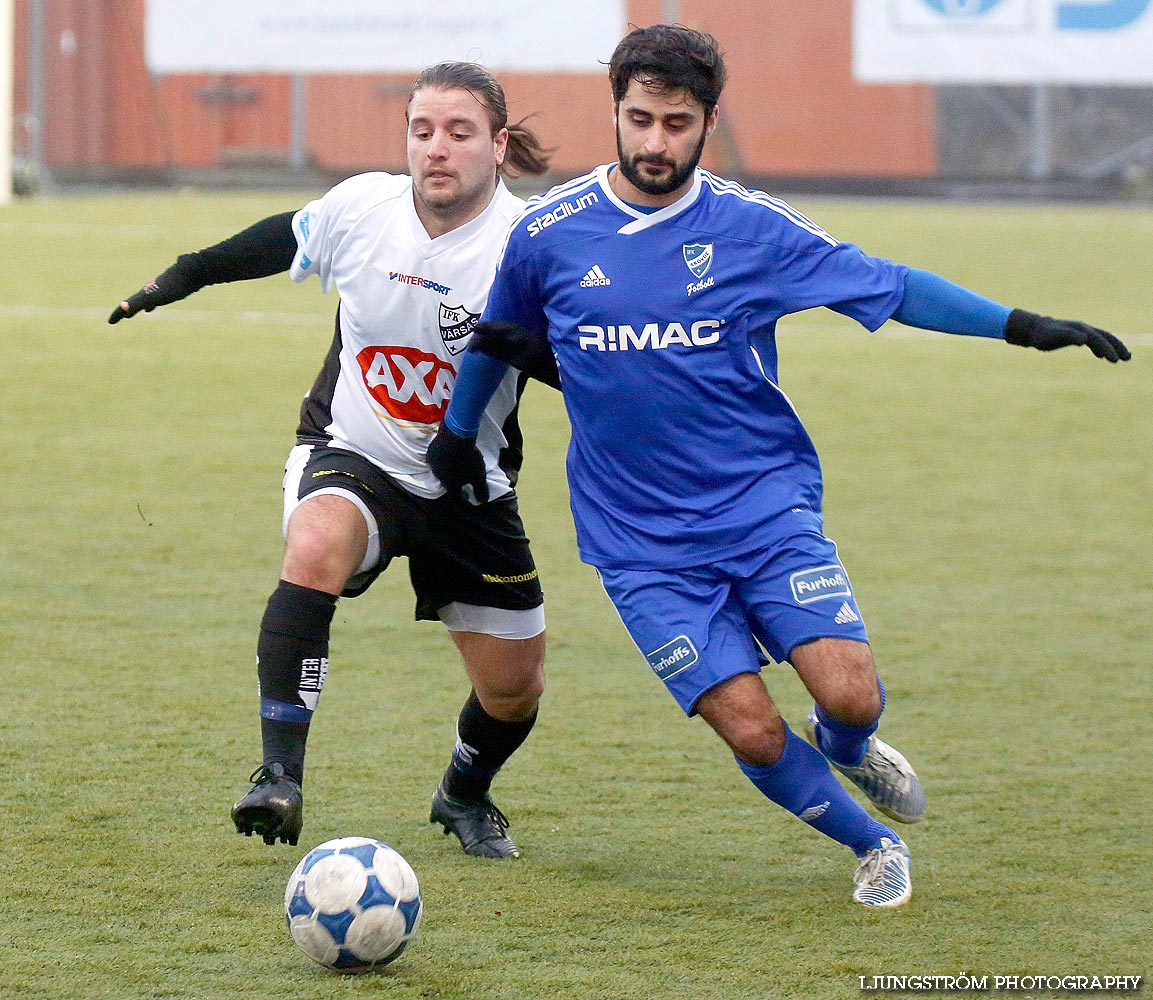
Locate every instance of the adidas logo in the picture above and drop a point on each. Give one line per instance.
(814, 812)
(595, 277)
(846, 615)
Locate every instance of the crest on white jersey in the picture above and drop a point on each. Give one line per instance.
(699, 257)
(456, 323)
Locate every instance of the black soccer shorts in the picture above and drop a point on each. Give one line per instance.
(457, 552)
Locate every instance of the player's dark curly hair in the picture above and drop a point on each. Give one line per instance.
(524, 154)
(669, 57)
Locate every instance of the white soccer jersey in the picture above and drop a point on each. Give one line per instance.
(408, 306)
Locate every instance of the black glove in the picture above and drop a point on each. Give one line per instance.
(1026, 329)
(458, 464)
(178, 282)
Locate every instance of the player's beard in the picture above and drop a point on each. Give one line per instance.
(680, 174)
(457, 201)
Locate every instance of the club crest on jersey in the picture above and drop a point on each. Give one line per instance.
(698, 257)
(456, 323)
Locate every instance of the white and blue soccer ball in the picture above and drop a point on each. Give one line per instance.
(352, 904)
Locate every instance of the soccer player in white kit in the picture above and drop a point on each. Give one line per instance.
(695, 489)
(412, 258)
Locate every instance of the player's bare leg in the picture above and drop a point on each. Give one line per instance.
(743, 714)
(849, 696)
(325, 544)
(507, 682)
(507, 674)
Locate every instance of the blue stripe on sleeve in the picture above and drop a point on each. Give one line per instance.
(932, 303)
(476, 381)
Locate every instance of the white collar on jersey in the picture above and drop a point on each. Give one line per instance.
(642, 220)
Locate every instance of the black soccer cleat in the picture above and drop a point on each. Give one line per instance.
(273, 807)
(479, 825)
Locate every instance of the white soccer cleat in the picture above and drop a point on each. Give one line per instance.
(883, 876)
(884, 775)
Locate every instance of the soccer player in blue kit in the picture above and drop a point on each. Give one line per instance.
(695, 489)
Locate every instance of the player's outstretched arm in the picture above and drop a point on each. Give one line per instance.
(933, 303)
(265, 248)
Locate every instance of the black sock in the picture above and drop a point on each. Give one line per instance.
(292, 664)
(483, 744)
(284, 743)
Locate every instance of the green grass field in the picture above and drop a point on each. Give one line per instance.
(993, 505)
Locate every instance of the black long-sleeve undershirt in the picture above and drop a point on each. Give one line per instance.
(264, 248)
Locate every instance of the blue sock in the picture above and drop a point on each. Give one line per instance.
(843, 743)
(802, 782)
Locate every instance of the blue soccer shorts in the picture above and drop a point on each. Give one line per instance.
(700, 626)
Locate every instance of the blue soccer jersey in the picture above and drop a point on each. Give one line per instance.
(684, 448)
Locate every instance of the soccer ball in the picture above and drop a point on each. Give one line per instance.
(352, 904)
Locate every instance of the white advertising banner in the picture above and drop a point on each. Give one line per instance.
(378, 36)
(1003, 41)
